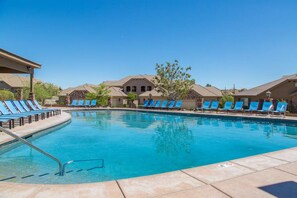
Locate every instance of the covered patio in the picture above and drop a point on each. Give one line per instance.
(12, 63)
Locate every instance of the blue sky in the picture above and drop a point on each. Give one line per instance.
(226, 42)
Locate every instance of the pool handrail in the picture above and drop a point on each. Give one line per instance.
(10, 133)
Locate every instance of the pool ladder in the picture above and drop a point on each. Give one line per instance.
(60, 165)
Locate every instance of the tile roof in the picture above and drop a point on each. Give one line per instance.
(265, 87)
(17, 81)
(207, 91)
(153, 92)
(119, 83)
(85, 87)
(116, 92)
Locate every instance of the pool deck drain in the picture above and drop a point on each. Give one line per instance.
(267, 175)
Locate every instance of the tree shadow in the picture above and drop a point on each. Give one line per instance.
(282, 190)
(173, 137)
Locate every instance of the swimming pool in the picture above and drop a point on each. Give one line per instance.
(134, 143)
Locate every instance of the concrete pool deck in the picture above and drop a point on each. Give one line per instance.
(267, 175)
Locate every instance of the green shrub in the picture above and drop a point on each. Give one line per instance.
(101, 95)
(225, 99)
(6, 95)
(42, 91)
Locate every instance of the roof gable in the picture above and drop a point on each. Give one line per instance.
(265, 87)
(206, 91)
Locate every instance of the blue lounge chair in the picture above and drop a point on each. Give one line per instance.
(15, 111)
(151, 104)
(32, 108)
(7, 120)
(253, 107)
(164, 104)
(214, 106)
(21, 109)
(80, 103)
(145, 104)
(157, 104)
(205, 106)
(5, 114)
(281, 108)
(93, 103)
(171, 104)
(87, 103)
(227, 106)
(178, 104)
(73, 103)
(238, 106)
(266, 107)
(39, 107)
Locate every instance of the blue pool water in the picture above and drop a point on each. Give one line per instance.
(137, 143)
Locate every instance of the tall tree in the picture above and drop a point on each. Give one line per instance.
(101, 95)
(173, 80)
(42, 91)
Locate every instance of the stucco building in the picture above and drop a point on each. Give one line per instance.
(144, 87)
(284, 88)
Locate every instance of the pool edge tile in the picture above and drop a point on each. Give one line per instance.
(157, 185)
(218, 172)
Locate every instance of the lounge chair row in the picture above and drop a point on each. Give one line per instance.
(267, 107)
(83, 103)
(158, 104)
(23, 111)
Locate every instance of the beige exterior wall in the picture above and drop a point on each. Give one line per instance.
(142, 99)
(189, 104)
(282, 91)
(5, 86)
(138, 83)
(116, 101)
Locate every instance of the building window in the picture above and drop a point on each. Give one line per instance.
(134, 89)
(142, 88)
(149, 88)
(128, 89)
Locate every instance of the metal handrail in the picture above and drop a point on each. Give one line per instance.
(88, 160)
(10, 133)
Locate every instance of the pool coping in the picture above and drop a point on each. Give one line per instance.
(249, 173)
(291, 119)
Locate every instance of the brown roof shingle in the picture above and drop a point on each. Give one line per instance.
(265, 87)
(17, 81)
(207, 91)
(119, 83)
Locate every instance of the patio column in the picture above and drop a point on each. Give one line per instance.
(31, 94)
